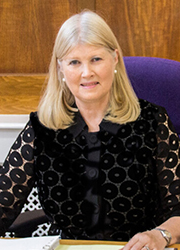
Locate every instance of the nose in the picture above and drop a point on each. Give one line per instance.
(87, 71)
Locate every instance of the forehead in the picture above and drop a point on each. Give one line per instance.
(86, 50)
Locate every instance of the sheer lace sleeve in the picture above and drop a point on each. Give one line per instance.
(16, 177)
(168, 165)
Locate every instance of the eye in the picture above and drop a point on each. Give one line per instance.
(96, 59)
(74, 62)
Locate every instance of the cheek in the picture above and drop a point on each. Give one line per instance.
(72, 81)
(71, 76)
(108, 74)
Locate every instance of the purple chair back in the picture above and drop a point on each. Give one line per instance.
(157, 80)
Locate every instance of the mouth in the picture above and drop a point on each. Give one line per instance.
(89, 84)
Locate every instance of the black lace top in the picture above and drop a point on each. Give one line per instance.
(106, 185)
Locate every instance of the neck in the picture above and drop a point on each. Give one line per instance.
(92, 115)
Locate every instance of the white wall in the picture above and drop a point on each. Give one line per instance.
(10, 127)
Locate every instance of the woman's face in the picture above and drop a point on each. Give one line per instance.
(89, 71)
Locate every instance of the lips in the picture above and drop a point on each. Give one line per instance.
(89, 84)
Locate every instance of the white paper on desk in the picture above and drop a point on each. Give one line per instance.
(89, 247)
(95, 247)
(33, 243)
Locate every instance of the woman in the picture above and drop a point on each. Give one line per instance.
(105, 162)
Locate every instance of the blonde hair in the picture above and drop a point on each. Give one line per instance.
(56, 108)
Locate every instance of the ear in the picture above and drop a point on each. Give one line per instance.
(59, 65)
(116, 56)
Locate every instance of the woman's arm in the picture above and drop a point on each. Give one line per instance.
(16, 177)
(153, 239)
(168, 180)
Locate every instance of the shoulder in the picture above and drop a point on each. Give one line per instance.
(34, 119)
(156, 113)
(40, 130)
(36, 124)
(152, 110)
(33, 116)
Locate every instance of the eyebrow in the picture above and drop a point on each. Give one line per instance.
(78, 58)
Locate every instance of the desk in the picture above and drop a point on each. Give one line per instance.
(39, 243)
(94, 242)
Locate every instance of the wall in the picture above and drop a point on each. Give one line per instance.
(10, 127)
(28, 30)
(145, 28)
